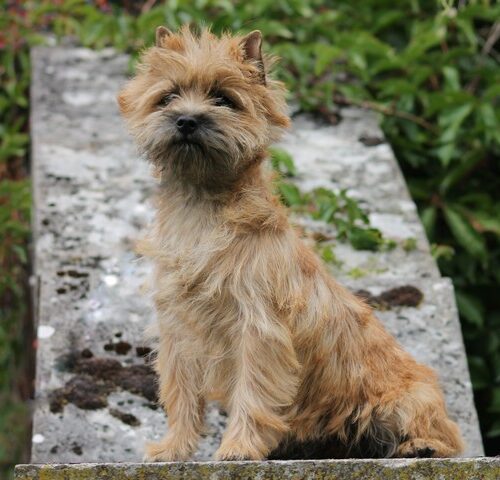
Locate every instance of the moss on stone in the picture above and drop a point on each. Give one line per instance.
(401, 469)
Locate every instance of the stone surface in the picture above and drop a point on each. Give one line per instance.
(335, 157)
(91, 195)
(401, 469)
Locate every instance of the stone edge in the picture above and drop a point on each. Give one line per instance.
(484, 468)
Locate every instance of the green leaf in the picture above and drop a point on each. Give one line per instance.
(470, 308)
(327, 213)
(325, 54)
(290, 194)
(409, 244)
(365, 238)
(441, 101)
(423, 41)
(452, 78)
(21, 254)
(465, 25)
(282, 162)
(445, 153)
(488, 115)
(459, 172)
(465, 235)
(492, 92)
(442, 252)
(274, 27)
(486, 222)
(494, 430)
(329, 256)
(451, 120)
(456, 114)
(479, 372)
(386, 18)
(495, 400)
(428, 217)
(494, 405)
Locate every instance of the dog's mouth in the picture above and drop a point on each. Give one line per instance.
(187, 143)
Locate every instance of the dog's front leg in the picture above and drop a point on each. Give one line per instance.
(264, 384)
(180, 379)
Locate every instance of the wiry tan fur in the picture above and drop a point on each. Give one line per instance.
(247, 313)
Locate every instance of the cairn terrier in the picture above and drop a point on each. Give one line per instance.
(247, 313)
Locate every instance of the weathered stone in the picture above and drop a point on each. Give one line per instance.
(91, 197)
(335, 158)
(401, 469)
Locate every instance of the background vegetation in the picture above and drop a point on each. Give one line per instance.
(15, 331)
(429, 67)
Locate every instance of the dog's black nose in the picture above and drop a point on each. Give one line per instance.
(186, 124)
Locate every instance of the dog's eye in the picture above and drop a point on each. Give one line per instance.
(165, 100)
(223, 101)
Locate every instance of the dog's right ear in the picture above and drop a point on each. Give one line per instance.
(161, 33)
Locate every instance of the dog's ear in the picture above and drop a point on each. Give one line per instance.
(252, 51)
(161, 33)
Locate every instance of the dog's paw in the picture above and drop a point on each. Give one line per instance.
(164, 451)
(419, 448)
(236, 453)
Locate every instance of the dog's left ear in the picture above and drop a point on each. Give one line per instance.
(252, 51)
(161, 33)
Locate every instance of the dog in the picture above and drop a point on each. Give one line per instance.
(247, 314)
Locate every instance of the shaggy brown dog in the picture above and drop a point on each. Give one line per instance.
(247, 313)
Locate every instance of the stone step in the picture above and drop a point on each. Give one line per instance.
(91, 202)
(429, 331)
(400, 469)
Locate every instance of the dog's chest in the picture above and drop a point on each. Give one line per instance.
(190, 244)
(194, 246)
(192, 281)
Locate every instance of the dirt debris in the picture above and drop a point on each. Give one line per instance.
(404, 296)
(127, 418)
(121, 347)
(96, 377)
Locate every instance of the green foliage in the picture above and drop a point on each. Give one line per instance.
(282, 162)
(429, 67)
(15, 202)
(338, 209)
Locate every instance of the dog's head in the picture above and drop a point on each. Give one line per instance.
(202, 108)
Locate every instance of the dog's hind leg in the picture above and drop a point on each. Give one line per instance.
(423, 424)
